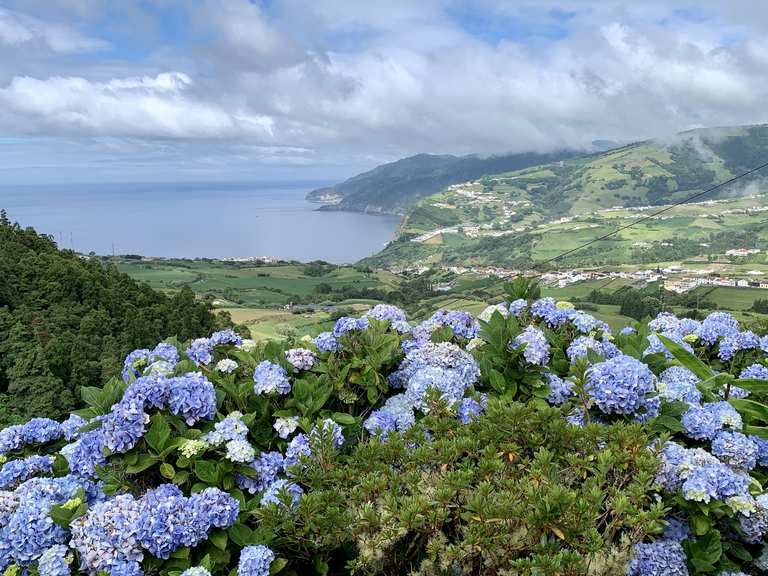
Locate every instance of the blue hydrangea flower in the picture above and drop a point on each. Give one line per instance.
(655, 346)
(735, 449)
(546, 309)
(755, 526)
(231, 428)
(461, 369)
(134, 364)
(469, 409)
(664, 322)
(346, 324)
(380, 423)
(619, 385)
(200, 351)
(267, 466)
(449, 383)
(297, 447)
(762, 449)
(150, 391)
(85, 453)
(560, 390)
(192, 397)
(16, 471)
(138, 361)
(71, 426)
(700, 424)
(387, 312)
(517, 307)
(581, 346)
(717, 325)
(215, 508)
(53, 561)
(41, 431)
(536, 346)
(326, 342)
(678, 383)
(660, 558)
(272, 495)
(255, 561)
(227, 336)
(400, 407)
(11, 439)
(627, 330)
(755, 371)
(105, 537)
(269, 378)
(164, 522)
(461, 323)
(586, 323)
(167, 352)
(124, 426)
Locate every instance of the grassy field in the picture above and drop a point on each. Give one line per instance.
(256, 296)
(249, 285)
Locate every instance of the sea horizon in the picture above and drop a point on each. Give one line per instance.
(237, 219)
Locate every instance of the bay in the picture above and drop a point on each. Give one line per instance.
(190, 220)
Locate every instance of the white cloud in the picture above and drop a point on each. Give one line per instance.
(160, 106)
(344, 79)
(16, 28)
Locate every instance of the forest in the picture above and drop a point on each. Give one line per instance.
(66, 320)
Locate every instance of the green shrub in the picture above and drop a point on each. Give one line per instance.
(519, 491)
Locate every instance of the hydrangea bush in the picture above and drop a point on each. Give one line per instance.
(530, 439)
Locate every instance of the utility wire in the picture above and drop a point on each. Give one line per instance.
(654, 214)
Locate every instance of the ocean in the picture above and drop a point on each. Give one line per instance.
(188, 220)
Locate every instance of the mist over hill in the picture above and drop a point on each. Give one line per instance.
(506, 218)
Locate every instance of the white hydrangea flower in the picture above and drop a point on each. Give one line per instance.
(192, 448)
(226, 366)
(286, 426)
(240, 451)
(486, 314)
(247, 345)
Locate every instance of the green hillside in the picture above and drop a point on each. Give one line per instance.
(396, 186)
(66, 320)
(516, 218)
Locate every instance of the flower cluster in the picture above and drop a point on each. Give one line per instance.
(534, 344)
(269, 378)
(27, 530)
(664, 557)
(161, 360)
(36, 431)
(620, 385)
(300, 358)
(200, 351)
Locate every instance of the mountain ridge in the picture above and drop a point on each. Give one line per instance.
(504, 218)
(392, 188)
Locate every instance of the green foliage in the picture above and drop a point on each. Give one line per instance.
(65, 321)
(518, 491)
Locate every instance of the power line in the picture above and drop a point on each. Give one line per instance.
(654, 214)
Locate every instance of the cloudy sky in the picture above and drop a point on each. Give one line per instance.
(111, 90)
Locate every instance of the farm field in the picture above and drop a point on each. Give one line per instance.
(257, 295)
(250, 285)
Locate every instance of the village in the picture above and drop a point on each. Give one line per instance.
(674, 278)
